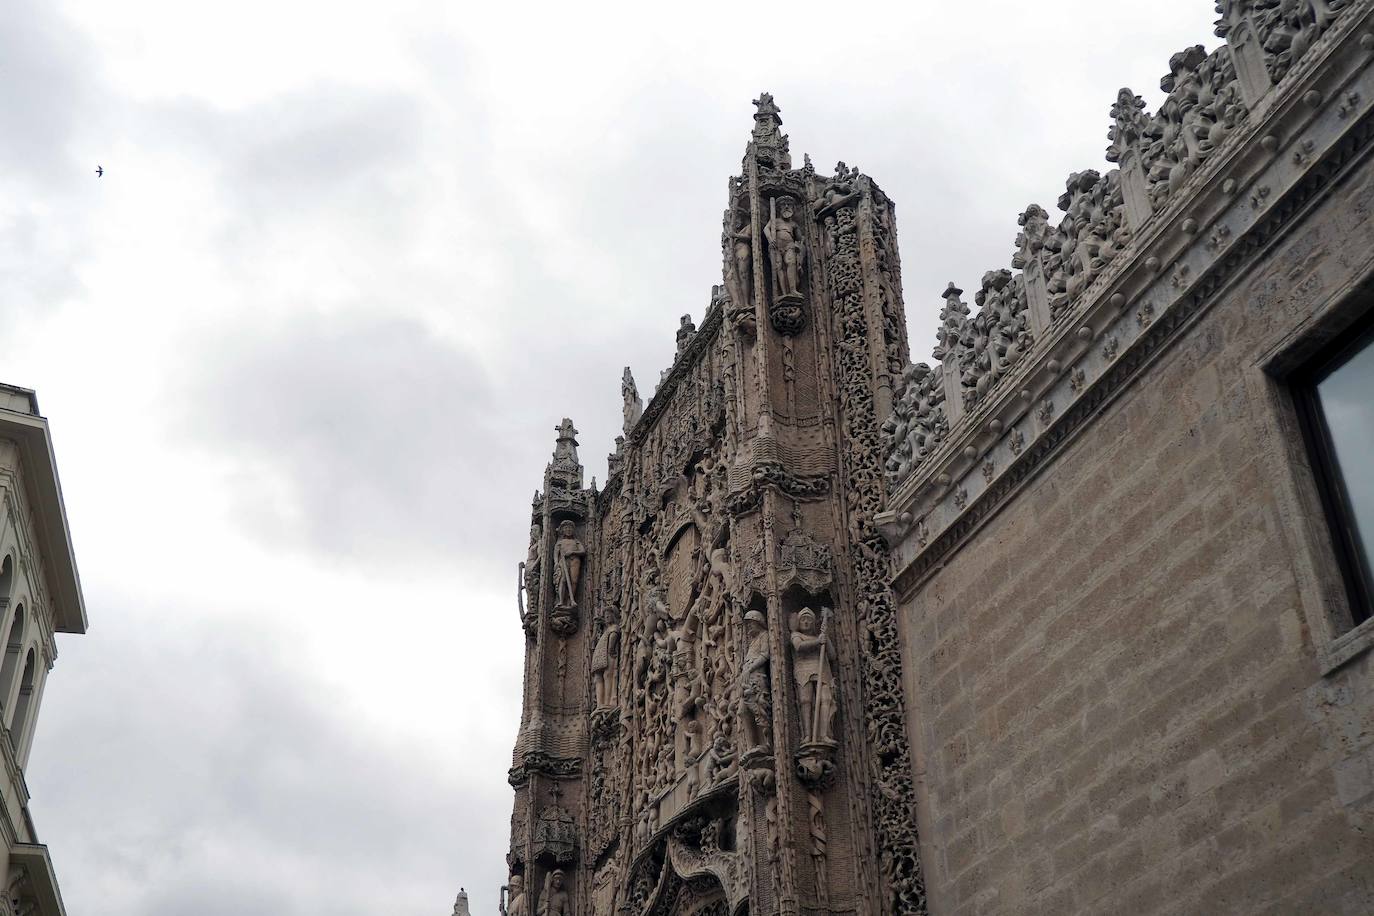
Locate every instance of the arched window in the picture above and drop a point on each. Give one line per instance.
(6, 579)
(23, 703)
(9, 669)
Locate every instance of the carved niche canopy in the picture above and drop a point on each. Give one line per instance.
(555, 834)
(803, 561)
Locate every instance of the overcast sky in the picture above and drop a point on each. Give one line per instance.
(304, 345)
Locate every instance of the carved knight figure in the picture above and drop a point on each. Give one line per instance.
(785, 244)
(516, 905)
(555, 900)
(605, 661)
(756, 703)
(634, 407)
(568, 553)
(813, 668)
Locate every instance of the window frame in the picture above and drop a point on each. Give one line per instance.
(1339, 514)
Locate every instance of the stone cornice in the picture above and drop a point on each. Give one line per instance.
(31, 434)
(1308, 128)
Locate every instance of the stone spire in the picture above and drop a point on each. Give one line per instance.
(460, 906)
(768, 142)
(565, 471)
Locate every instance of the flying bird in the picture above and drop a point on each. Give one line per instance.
(99, 171)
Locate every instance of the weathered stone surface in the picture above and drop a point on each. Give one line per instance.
(712, 714)
(1117, 664)
(1131, 685)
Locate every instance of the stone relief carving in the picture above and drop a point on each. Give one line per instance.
(1283, 29)
(888, 752)
(733, 610)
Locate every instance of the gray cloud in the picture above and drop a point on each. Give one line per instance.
(192, 769)
(469, 283)
(388, 442)
(49, 105)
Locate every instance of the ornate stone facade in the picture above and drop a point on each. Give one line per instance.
(1071, 572)
(713, 713)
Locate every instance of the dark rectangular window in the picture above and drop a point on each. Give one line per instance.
(1335, 393)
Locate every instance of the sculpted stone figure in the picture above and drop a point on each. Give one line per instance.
(634, 407)
(568, 554)
(555, 901)
(604, 663)
(516, 904)
(742, 259)
(813, 668)
(785, 242)
(756, 703)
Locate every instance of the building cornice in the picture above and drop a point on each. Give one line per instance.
(30, 432)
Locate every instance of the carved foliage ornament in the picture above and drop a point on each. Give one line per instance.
(880, 662)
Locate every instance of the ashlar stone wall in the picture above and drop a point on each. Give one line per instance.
(1132, 682)
(1117, 684)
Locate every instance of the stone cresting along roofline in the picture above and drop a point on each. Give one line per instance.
(1243, 133)
(683, 363)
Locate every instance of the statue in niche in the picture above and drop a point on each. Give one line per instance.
(516, 905)
(568, 553)
(756, 702)
(739, 259)
(555, 901)
(785, 244)
(605, 659)
(813, 668)
(634, 407)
